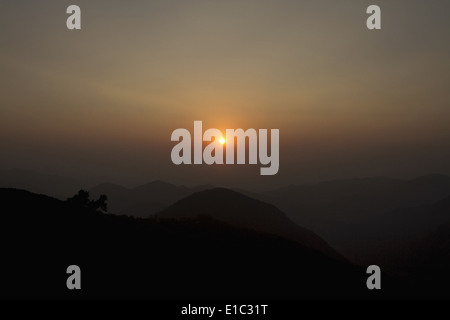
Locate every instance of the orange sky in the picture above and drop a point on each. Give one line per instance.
(102, 102)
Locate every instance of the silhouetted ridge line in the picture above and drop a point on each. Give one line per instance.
(123, 257)
(237, 209)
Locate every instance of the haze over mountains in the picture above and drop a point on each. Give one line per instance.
(144, 200)
(343, 212)
(365, 220)
(52, 185)
(241, 211)
(392, 238)
(123, 257)
(179, 255)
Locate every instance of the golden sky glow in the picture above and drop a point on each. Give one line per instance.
(104, 101)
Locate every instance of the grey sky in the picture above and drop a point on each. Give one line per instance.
(101, 103)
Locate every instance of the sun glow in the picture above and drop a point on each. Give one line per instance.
(222, 140)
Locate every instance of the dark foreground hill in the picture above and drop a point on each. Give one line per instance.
(431, 256)
(427, 260)
(242, 211)
(122, 257)
(343, 212)
(390, 236)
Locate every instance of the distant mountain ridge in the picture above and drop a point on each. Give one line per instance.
(143, 200)
(126, 258)
(337, 209)
(393, 234)
(242, 211)
(349, 214)
(53, 185)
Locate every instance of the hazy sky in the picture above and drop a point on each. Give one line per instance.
(100, 104)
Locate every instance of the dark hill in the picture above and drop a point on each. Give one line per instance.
(395, 238)
(242, 211)
(123, 257)
(426, 261)
(342, 211)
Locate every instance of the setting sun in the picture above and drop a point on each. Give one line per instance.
(222, 140)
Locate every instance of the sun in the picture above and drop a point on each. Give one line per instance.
(222, 140)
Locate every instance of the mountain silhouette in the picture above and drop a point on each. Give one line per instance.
(397, 224)
(348, 214)
(54, 185)
(242, 211)
(124, 257)
(142, 200)
(355, 197)
(394, 237)
(339, 210)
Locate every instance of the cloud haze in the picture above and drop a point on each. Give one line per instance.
(101, 103)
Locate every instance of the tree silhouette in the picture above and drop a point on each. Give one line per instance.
(82, 199)
(100, 203)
